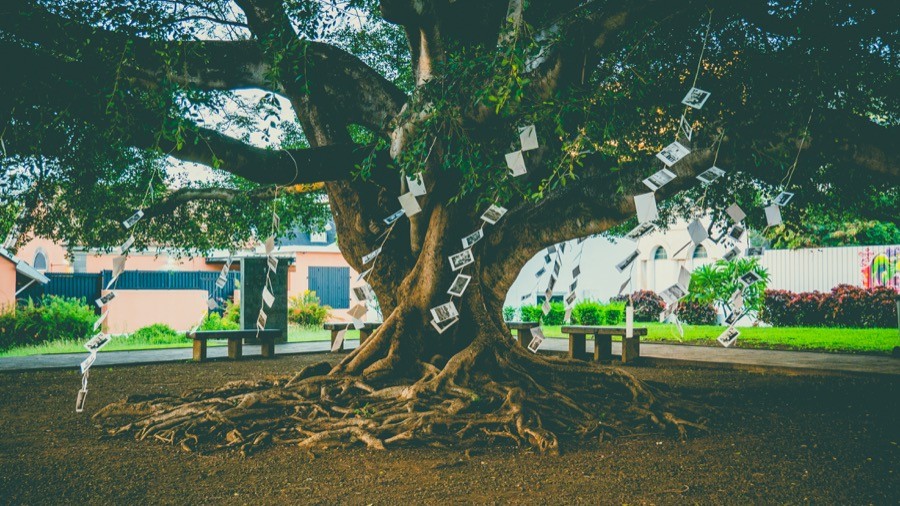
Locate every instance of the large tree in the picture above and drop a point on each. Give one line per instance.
(99, 93)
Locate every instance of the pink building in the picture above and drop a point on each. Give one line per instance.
(317, 265)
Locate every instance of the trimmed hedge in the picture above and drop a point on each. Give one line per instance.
(844, 306)
(647, 305)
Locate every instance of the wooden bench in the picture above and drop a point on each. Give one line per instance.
(235, 341)
(364, 332)
(631, 347)
(523, 330)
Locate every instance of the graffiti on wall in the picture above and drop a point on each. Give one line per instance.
(880, 269)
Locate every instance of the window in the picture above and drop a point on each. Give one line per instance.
(660, 253)
(699, 252)
(79, 263)
(318, 237)
(40, 260)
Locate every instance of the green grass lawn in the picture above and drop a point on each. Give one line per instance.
(880, 341)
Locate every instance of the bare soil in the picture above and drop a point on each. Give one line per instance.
(774, 439)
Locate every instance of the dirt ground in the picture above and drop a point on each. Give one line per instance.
(774, 439)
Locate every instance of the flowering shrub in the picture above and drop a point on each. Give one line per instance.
(647, 305)
(696, 313)
(844, 306)
(304, 309)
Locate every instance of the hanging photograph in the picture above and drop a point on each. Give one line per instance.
(459, 285)
(783, 198)
(547, 259)
(750, 278)
(362, 293)
(659, 179)
(338, 340)
(493, 214)
(736, 232)
(537, 337)
(640, 231)
(394, 217)
(97, 342)
(358, 311)
(528, 138)
(268, 297)
(363, 274)
(735, 212)
(516, 163)
(672, 294)
(540, 272)
(570, 299)
(545, 307)
(628, 260)
(672, 153)
(684, 279)
(728, 337)
(212, 304)
(576, 271)
(371, 256)
(731, 254)
(711, 174)
(461, 259)
(469, 240)
(685, 127)
(696, 98)
(272, 261)
(755, 251)
(87, 363)
(269, 244)
(102, 301)
(441, 327)
(444, 312)
(134, 218)
(261, 320)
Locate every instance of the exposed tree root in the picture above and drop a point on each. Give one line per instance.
(526, 400)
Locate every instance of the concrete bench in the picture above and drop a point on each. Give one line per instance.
(523, 330)
(631, 347)
(364, 332)
(235, 341)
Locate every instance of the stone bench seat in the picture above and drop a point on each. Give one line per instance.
(523, 330)
(235, 341)
(631, 347)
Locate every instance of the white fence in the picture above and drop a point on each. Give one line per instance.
(821, 269)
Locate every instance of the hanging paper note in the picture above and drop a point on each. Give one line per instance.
(410, 204)
(118, 265)
(261, 320)
(684, 279)
(443, 326)
(711, 174)
(624, 284)
(728, 337)
(731, 254)
(102, 301)
(696, 98)
(568, 316)
(516, 163)
(363, 275)
(783, 198)
(268, 297)
(537, 337)
(97, 342)
(269, 244)
(750, 278)
(629, 321)
(570, 299)
(212, 304)
(640, 231)
(133, 219)
(371, 256)
(576, 271)
(416, 185)
(493, 214)
(358, 311)
(773, 215)
(528, 137)
(672, 153)
(645, 206)
(459, 285)
(338, 340)
(573, 286)
(672, 294)
(736, 232)
(659, 179)
(735, 212)
(223, 276)
(540, 272)
(272, 261)
(127, 244)
(79, 401)
(461, 259)
(88, 362)
(394, 217)
(444, 312)
(685, 127)
(100, 320)
(755, 251)
(697, 232)
(628, 261)
(472, 238)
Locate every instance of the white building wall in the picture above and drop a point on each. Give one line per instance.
(821, 269)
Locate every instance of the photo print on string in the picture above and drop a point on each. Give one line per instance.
(735, 212)
(444, 312)
(470, 240)
(736, 232)
(461, 259)
(133, 219)
(711, 174)
(410, 204)
(783, 198)
(671, 154)
(516, 163)
(685, 128)
(640, 231)
(697, 232)
(624, 264)
(459, 285)
(97, 342)
(750, 278)
(102, 301)
(537, 337)
(493, 214)
(441, 327)
(728, 337)
(731, 254)
(695, 98)
(645, 206)
(394, 217)
(659, 179)
(371, 256)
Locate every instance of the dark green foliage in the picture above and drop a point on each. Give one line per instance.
(697, 313)
(647, 305)
(509, 313)
(158, 333)
(588, 312)
(230, 319)
(844, 306)
(714, 283)
(55, 318)
(614, 313)
(530, 313)
(535, 313)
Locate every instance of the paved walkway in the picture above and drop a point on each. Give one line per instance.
(796, 361)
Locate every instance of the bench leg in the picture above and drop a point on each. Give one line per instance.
(631, 349)
(524, 337)
(235, 348)
(268, 348)
(199, 350)
(602, 347)
(334, 334)
(363, 335)
(577, 347)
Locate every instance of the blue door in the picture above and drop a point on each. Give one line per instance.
(332, 285)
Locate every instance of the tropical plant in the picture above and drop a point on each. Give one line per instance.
(715, 283)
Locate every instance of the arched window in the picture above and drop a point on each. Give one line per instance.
(699, 252)
(40, 260)
(660, 253)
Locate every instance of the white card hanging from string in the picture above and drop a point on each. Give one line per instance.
(750, 278)
(268, 297)
(697, 232)
(671, 154)
(338, 340)
(416, 185)
(269, 244)
(645, 206)
(223, 276)
(629, 320)
(624, 264)
(394, 217)
(696, 98)
(736, 232)
(88, 362)
(261, 320)
(371, 256)
(272, 262)
(97, 342)
(102, 301)
(735, 212)
(684, 279)
(444, 312)
(624, 284)
(118, 267)
(783, 198)
(640, 231)
(212, 304)
(469, 240)
(461, 259)
(127, 244)
(516, 163)
(711, 174)
(685, 128)
(80, 399)
(659, 179)
(364, 274)
(537, 337)
(410, 204)
(545, 307)
(358, 312)
(731, 254)
(672, 294)
(528, 138)
(441, 327)
(773, 215)
(728, 337)
(100, 320)
(130, 222)
(459, 285)
(493, 214)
